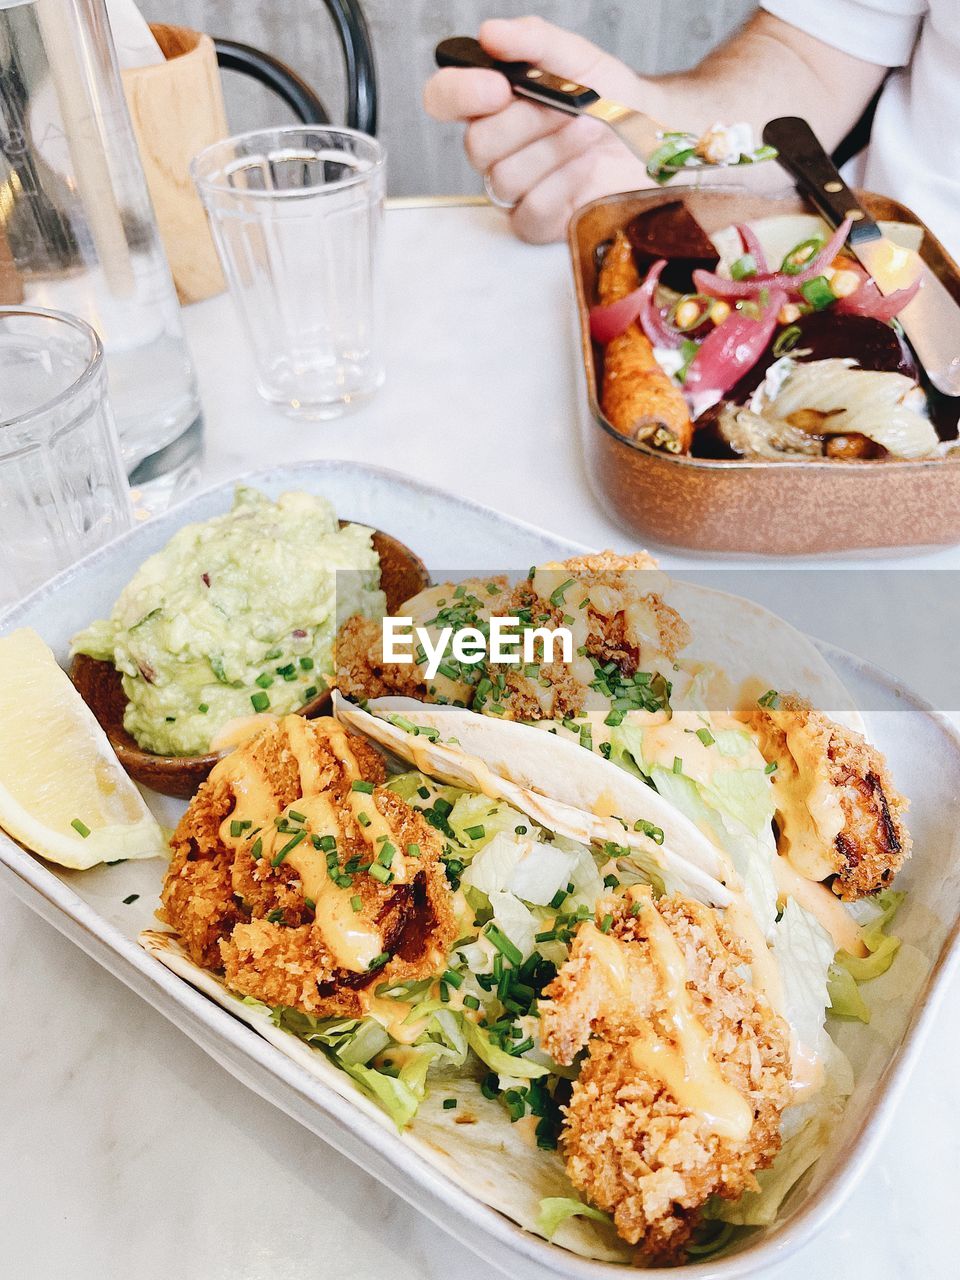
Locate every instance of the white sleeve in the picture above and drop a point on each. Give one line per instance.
(880, 31)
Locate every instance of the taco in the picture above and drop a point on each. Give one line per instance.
(585, 973)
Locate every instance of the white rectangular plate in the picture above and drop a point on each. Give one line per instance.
(452, 534)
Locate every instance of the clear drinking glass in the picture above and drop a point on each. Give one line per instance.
(297, 217)
(77, 230)
(63, 490)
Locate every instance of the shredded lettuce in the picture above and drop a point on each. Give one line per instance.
(395, 1096)
(497, 1059)
(475, 820)
(520, 865)
(557, 1209)
(847, 971)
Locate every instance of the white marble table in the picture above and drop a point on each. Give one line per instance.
(124, 1151)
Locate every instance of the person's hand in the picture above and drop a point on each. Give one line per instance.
(539, 160)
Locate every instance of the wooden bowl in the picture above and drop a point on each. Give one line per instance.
(402, 575)
(773, 508)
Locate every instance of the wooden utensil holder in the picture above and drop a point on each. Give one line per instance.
(177, 109)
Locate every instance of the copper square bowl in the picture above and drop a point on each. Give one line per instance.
(776, 508)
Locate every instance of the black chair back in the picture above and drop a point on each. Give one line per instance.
(361, 76)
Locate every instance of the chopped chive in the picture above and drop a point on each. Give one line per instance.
(363, 820)
(610, 882)
(706, 737)
(503, 943)
(81, 828)
(516, 1049)
(287, 848)
(355, 902)
(771, 767)
(380, 873)
(237, 828)
(296, 816)
(309, 903)
(275, 916)
(677, 765)
(556, 597)
(272, 655)
(423, 793)
(306, 664)
(344, 882)
(605, 923)
(471, 1002)
(635, 908)
(548, 936)
(557, 899)
(327, 844)
(131, 897)
(413, 850)
(288, 670)
(385, 856)
(453, 978)
(256, 849)
(359, 785)
(264, 681)
(770, 699)
(310, 693)
(260, 701)
(379, 961)
(449, 1104)
(475, 833)
(203, 708)
(521, 830)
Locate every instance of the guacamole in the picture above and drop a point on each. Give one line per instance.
(236, 615)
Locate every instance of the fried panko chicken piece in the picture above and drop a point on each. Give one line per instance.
(617, 616)
(636, 396)
(240, 903)
(362, 671)
(839, 814)
(632, 1144)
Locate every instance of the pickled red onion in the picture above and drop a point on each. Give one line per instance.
(719, 287)
(733, 348)
(651, 319)
(869, 301)
(752, 245)
(608, 322)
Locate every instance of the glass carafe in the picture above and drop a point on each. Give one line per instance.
(77, 230)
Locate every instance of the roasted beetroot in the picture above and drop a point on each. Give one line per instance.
(671, 231)
(825, 335)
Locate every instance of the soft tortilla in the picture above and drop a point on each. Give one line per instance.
(491, 1159)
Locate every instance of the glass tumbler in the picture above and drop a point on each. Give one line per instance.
(63, 490)
(297, 215)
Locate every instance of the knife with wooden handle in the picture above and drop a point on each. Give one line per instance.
(931, 320)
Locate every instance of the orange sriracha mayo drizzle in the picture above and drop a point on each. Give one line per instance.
(353, 940)
(684, 1062)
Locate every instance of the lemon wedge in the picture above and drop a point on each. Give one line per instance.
(63, 793)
